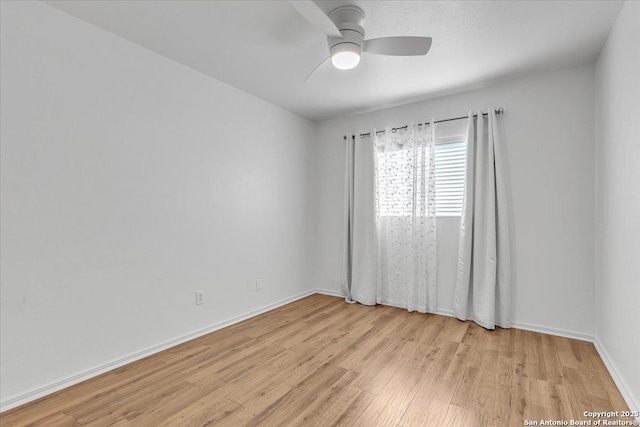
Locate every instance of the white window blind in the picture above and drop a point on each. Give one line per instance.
(450, 157)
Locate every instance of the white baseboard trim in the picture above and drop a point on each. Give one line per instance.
(518, 325)
(632, 401)
(329, 292)
(553, 331)
(83, 376)
(534, 328)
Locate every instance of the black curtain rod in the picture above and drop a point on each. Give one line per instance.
(499, 112)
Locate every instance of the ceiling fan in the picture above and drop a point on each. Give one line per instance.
(344, 27)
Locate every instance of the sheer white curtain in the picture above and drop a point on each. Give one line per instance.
(483, 284)
(390, 229)
(406, 221)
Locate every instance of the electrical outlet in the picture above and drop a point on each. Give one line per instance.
(258, 284)
(199, 297)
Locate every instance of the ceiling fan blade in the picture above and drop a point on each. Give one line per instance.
(312, 13)
(398, 46)
(317, 66)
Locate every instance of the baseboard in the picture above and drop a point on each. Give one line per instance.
(329, 292)
(535, 328)
(83, 376)
(632, 401)
(553, 331)
(518, 325)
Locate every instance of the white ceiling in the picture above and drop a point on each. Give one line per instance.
(267, 49)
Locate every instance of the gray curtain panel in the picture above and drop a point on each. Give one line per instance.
(483, 284)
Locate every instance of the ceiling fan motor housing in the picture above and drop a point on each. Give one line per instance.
(350, 21)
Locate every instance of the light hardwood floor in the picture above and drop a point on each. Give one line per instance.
(319, 361)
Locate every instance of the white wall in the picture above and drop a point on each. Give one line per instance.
(128, 183)
(548, 130)
(618, 200)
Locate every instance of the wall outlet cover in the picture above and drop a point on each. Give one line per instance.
(199, 297)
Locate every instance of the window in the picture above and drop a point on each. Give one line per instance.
(450, 157)
(395, 179)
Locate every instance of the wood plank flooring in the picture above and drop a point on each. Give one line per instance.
(321, 362)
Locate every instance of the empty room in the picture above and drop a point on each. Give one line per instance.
(319, 213)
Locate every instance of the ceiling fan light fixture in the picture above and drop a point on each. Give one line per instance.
(345, 56)
(345, 60)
